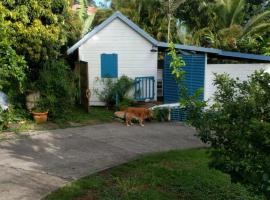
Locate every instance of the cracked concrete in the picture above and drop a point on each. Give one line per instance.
(32, 167)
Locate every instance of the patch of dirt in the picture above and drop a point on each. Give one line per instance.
(91, 122)
(49, 125)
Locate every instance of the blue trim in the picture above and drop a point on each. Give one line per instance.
(109, 66)
(98, 28)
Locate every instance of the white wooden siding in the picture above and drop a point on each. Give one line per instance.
(134, 56)
(242, 71)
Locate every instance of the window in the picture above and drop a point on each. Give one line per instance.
(109, 65)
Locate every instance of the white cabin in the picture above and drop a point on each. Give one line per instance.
(119, 47)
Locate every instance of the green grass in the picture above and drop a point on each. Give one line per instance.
(76, 117)
(95, 115)
(182, 175)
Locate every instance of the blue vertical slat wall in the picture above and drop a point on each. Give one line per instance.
(194, 79)
(109, 65)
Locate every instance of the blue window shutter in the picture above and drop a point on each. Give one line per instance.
(109, 65)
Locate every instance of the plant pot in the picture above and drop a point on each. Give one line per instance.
(40, 117)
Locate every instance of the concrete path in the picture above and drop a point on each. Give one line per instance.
(32, 167)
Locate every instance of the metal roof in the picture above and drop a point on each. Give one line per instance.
(218, 52)
(156, 43)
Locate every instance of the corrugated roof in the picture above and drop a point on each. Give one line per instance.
(218, 52)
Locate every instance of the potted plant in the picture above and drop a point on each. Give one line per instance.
(40, 112)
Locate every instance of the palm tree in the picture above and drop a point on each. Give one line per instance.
(86, 18)
(171, 7)
(150, 15)
(231, 28)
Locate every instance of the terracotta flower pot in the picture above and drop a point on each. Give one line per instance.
(40, 117)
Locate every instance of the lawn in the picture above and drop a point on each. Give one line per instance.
(179, 174)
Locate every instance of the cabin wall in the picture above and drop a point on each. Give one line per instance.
(242, 71)
(134, 56)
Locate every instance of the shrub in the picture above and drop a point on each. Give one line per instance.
(4, 119)
(58, 88)
(125, 103)
(113, 88)
(12, 69)
(161, 114)
(237, 126)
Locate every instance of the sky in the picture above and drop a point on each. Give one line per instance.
(102, 2)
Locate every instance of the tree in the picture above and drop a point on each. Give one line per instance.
(229, 27)
(237, 126)
(38, 29)
(85, 17)
(13, 67)
(150, 15)
(171, 6)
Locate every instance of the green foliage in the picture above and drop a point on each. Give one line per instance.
(161, 114)
(86, 19)
(237, 126)
(173, 175)
(13, 67)
(57, 85)
(113, 88)
(150, 15)
(226, 24)
(38, 29)
(223, 24)
(4, 119)
(11, 115)
(176, 64)
(125, 103)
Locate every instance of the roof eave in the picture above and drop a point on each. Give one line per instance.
(217, 52)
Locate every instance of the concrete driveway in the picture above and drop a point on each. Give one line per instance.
(32, 167)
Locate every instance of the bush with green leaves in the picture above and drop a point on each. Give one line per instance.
(114, 90)
(4, 119)
(237, 126)
(58, 88)
(161, 114)
(125, 103)
(12, 66)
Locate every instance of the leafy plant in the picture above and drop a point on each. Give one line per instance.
(125, 103)
(4, 119)
(161, 114)
(57, 85)
(191, 103)
(38, 30)
(13, 67)
(237, 126)
(114, 90)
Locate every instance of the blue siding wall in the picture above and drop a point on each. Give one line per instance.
(109, 65)
(194, 77)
